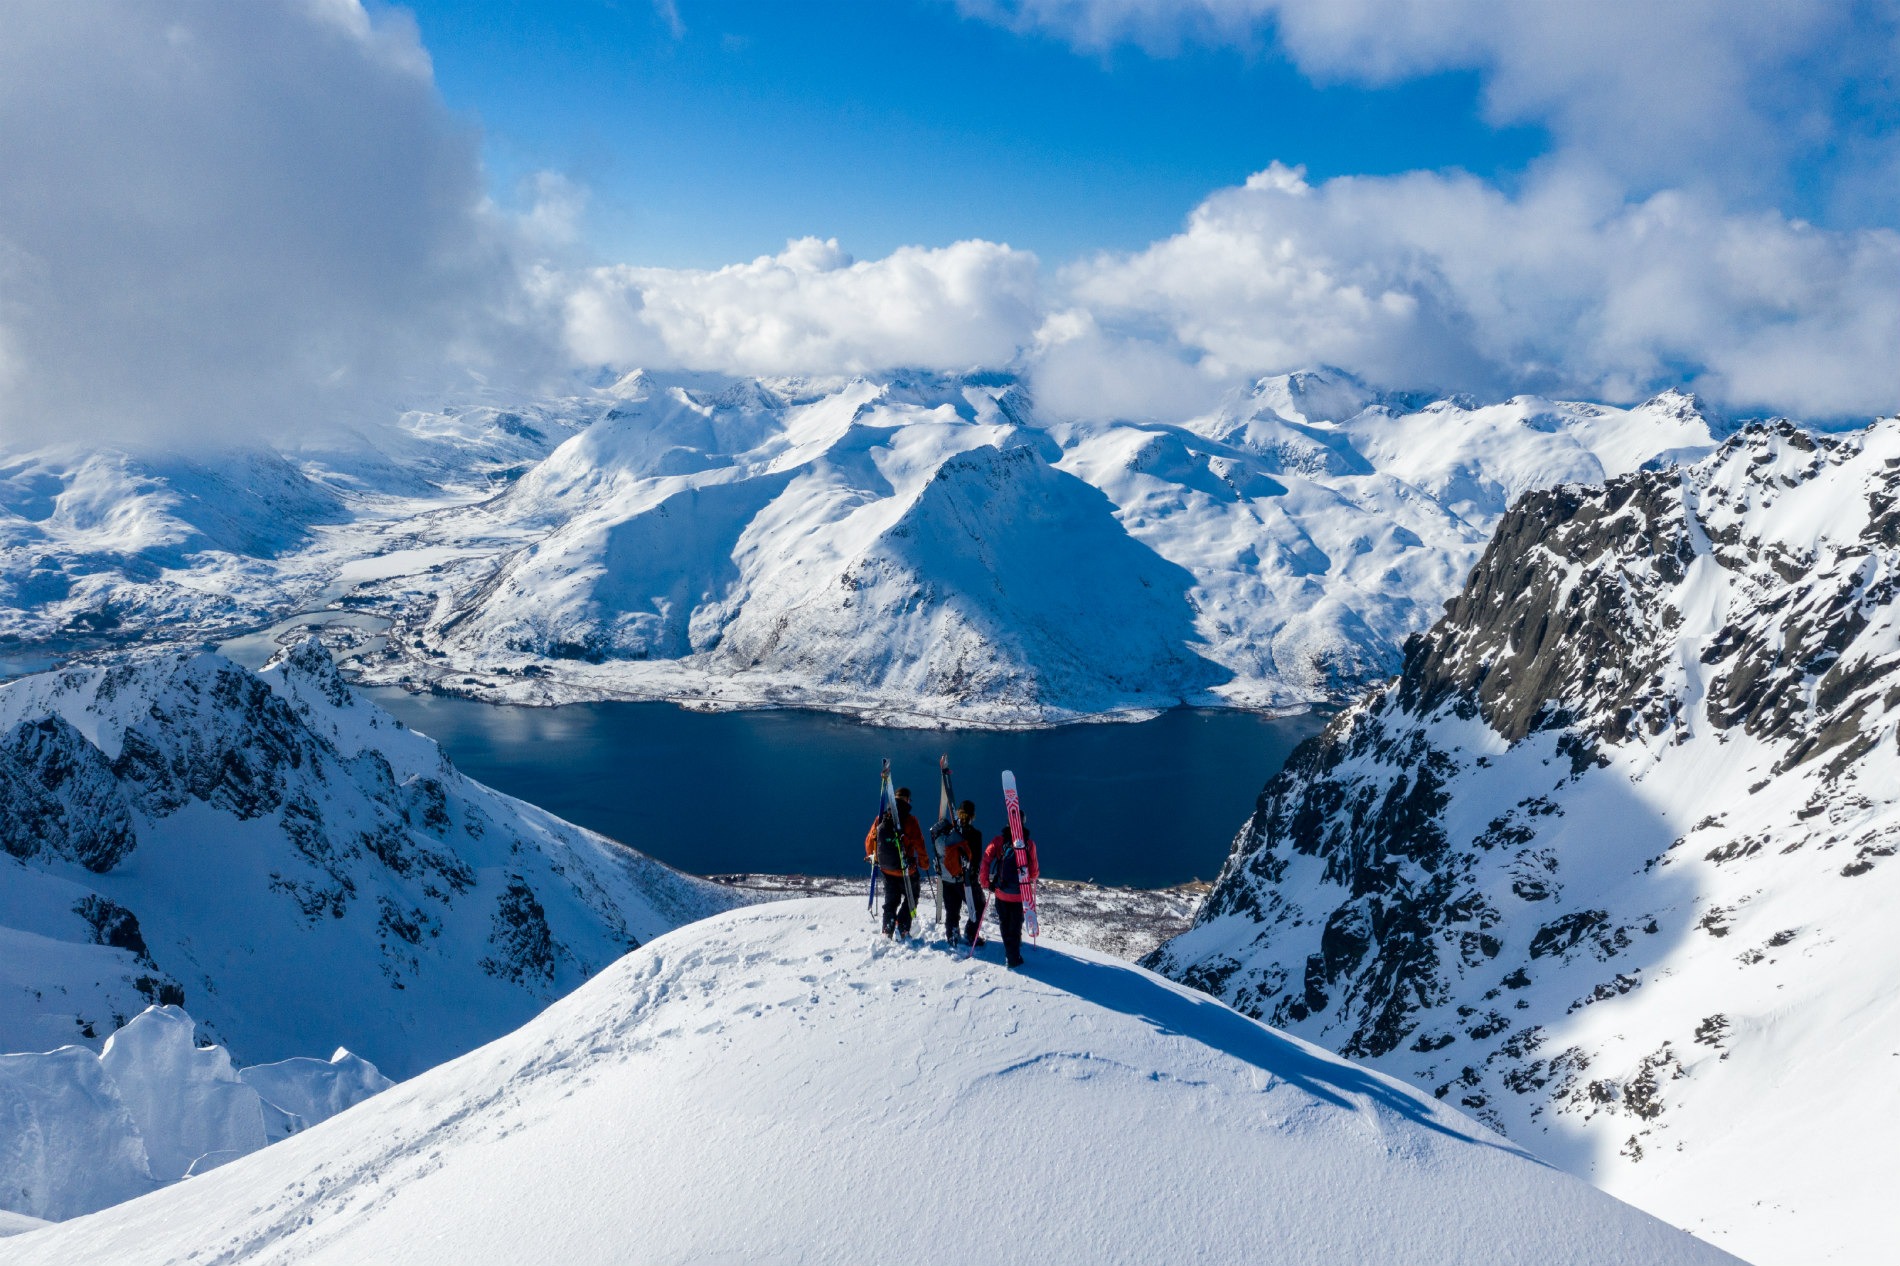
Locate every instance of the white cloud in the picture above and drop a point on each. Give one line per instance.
(1432, 280)
(812, 309)
(1416, 281)
(222, 219)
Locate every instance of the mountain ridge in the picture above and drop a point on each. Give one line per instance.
(1594, 865)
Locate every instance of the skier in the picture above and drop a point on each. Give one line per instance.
(963, 846)
(1001, 878)
(900, 880)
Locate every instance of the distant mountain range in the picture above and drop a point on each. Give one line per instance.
(1609, 863)
(911, 545)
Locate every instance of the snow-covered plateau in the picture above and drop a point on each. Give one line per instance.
(291, 865)
(1609, 863)
(914, 548)
(776, 1085)
(85, 1131)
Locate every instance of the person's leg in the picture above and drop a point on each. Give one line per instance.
(973, 930)
(1009, 914)
(952, 910)
(893, 902)
(905, 885)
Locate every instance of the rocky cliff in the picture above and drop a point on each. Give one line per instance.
(1607, 863)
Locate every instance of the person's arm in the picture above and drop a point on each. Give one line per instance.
(914, 835)
(983, 868)
(1035, 866)
(870, 843)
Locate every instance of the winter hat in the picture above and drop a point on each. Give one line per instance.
(969, 807)
(903, 793)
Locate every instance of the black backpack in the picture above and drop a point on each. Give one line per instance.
(1005, 855)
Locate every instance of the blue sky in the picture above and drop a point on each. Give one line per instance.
(893, 122)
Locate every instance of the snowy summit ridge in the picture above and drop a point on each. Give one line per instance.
(776, 1084)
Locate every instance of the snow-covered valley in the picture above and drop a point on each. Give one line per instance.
(911, 547)
(750, 1087)
(1607, 865)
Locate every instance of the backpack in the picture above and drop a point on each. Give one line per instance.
(1005, 854)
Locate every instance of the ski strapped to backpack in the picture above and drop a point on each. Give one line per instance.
(1012, 804)
(946, 819)
(883, 799)
(893, 833)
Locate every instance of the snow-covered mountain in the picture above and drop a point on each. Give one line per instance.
(291, 864)
(87, 1131)
(910, 545)
(94, 541)
(923, 545)
(102, 544)
(779, 1085)
(1608, 864)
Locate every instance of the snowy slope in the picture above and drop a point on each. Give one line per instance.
(96, 541)
(289, 863)
(111, 544)
(776, 1085)
(928, 546)
(1609, 863)
(87, 1131)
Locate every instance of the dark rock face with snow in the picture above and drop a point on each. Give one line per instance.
(1596, 865)
(291, 863)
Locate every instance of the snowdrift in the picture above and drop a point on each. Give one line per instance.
(777, 1084)
(87, 1131)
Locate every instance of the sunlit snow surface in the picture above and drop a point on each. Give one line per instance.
(780, 1085)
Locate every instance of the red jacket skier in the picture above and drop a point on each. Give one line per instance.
(899, 880)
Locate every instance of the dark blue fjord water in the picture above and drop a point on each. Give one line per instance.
(785, 792)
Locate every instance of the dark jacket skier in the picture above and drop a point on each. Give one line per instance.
(962, 851)
(899, 880)
(1001, 878)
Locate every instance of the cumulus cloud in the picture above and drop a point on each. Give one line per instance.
(1419, 281)
(1683, 93)
(225, 220)
(811, 309)
(1435, 280)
